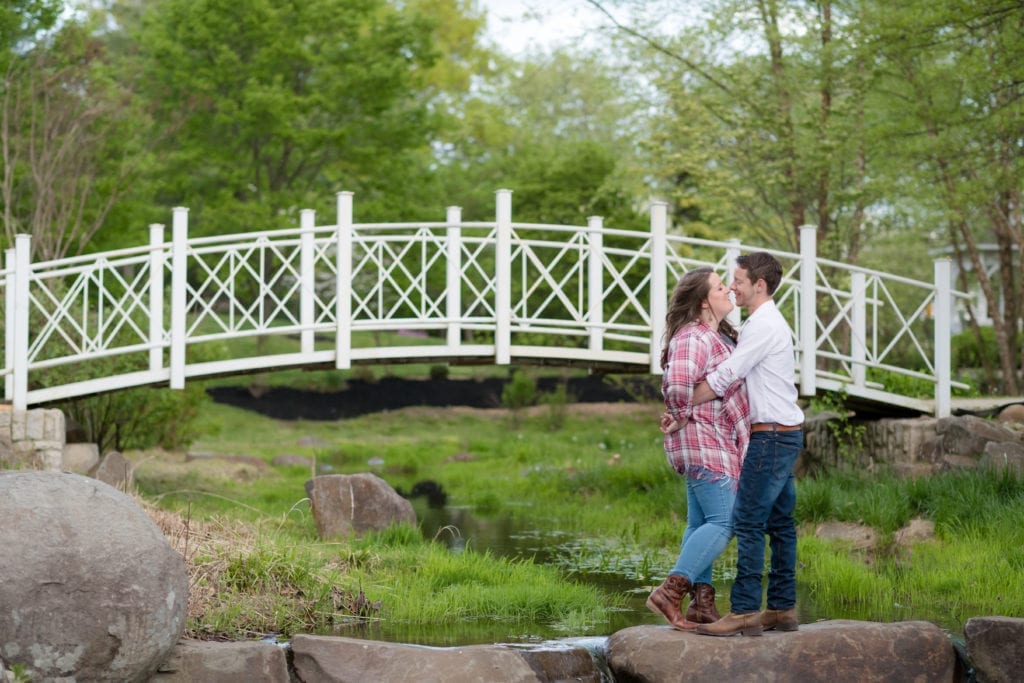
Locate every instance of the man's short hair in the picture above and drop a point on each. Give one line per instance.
(762, 266)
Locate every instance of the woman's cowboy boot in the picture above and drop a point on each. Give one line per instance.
(667, 600)
(702, 604)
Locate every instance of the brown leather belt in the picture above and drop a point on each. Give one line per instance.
(774, 427)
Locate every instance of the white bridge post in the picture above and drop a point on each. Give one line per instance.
(179, 291)
(503, 275)
(9, 265)
(808, 310)
(595, 281)
(659, 289)
(453, 280)
(22, 278)
(156, 297)
(343, 285)
(943, 330)
(858, 329)
(307, 279)
(732, 253)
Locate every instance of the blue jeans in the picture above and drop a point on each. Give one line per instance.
(709, 506)
(764, 504)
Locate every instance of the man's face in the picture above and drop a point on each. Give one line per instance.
(742, 287)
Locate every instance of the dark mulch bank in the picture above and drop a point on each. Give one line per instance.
(391, 393)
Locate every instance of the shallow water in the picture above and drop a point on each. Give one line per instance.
(505, 537)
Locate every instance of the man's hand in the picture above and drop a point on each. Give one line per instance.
(669, 424)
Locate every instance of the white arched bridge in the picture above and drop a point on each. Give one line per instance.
(496, 291)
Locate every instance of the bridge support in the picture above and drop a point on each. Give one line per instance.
(453, 276)
(503, 283)
(943, 330)
(659, 287)
(22, 276)
(343, 284)
(156, 297)
(595, 281)
(179, 285)
(808, 309)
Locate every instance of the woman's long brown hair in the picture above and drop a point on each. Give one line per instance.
(684, 307)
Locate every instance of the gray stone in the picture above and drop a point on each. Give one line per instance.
(995, 646)
(115, 470)
(289, 460)
(80, 457)
(1003, 457)
(91, 588)
(827, 651)
(1013, 413)
(344, 504)
(349, 660)
(199, 661)
(967, 435)
(917, 531)
(855, 536)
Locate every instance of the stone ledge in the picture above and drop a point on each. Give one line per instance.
(828, 651)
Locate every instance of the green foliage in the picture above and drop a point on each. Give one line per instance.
(557, 403)
(849, 436)
(520, 392)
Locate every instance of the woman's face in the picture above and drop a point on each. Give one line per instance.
(718, 301)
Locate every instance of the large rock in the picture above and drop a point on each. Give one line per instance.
(1004, 457)
(349, 660)
(996, 648)
(91, 589)
(827, 651)
(80, 457)
(200, 661)
(967, 435)
(114, 469)
(344, 504)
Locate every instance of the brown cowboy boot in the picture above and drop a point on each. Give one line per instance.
(733, 624)
(667, 600)
(702, 604)
(780, 620)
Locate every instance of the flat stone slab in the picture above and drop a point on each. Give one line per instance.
(200, 661)
(828, 651)
(349, 660)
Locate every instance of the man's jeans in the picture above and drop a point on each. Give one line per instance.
(764, 504)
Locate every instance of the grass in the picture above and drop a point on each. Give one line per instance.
(601, 481)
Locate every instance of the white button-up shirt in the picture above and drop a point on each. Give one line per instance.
(764, 358)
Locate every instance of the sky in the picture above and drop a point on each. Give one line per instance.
(519, 25)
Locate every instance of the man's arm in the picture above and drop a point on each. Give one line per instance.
(703, 393)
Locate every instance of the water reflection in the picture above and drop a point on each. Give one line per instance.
(504, 536)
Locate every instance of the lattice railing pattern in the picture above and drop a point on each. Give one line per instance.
(496, 289)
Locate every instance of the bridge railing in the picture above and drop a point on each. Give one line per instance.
(489, 291)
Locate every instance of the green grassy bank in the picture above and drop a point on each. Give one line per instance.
(596, 473)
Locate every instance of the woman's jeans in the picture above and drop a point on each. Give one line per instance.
(764, 504)
(708, 526)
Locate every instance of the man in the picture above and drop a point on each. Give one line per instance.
(767, 491)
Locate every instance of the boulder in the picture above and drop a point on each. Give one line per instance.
(826, 651)
(995, 646)
(967, 435)
(1004, 457)
(291, 460)
(344, 660)
(916, 531)
(344, 504)
(80, 457)
(91, 589)
(1013, 413)
(200, 661)
(114, 469)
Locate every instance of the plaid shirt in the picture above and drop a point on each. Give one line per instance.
(716, 435)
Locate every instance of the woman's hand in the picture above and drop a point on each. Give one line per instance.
(669, 424)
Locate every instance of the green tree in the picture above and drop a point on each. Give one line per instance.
(287, 102)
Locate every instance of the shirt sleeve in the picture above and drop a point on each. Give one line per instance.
(755, 344)
(688, 357)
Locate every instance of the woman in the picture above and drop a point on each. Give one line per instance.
(708, 450)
